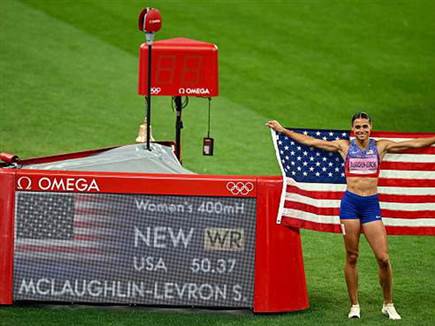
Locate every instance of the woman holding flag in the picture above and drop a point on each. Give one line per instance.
(359, 208)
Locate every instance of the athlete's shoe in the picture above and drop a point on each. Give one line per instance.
(389, 310)
(354, 311)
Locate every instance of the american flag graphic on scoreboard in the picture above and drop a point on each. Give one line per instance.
(60, 225)
(314, 183)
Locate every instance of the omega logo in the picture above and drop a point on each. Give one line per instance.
(24, 183)
(195, 91)
(59, 184)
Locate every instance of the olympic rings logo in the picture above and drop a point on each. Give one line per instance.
(155, 90)
(240, 188)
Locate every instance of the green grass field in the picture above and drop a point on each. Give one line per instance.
(68, 74)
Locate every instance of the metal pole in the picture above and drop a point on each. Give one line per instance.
(178, 127)
(149, 99)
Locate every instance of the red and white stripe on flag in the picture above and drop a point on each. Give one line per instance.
(406, 191)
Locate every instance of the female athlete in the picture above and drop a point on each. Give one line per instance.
(359, 208)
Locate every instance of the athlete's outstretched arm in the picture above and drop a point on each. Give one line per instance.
(331, 146)
(388, 146)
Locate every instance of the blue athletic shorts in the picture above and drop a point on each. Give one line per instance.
(364, 208)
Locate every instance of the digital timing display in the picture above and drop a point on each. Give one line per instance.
(134, 249)
(185, 69)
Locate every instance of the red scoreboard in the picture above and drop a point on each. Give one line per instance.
(184, 240)
(180, 67)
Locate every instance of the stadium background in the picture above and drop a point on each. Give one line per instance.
(68, 83)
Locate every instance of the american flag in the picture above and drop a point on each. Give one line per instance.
(314, 183)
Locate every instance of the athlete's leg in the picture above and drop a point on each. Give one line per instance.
(351, 234)
(377, 238)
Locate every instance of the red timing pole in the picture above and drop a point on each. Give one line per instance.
(150, 22)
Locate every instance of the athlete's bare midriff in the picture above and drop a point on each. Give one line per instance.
(362, 186)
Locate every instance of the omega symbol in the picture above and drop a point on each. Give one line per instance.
(24, 183)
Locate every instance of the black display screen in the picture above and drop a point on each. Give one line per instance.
(134, 249)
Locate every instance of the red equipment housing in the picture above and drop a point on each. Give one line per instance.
(180, 67)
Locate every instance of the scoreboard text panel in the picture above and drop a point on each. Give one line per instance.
(134, 249)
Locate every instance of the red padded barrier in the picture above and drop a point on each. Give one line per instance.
(7, 201)
(279, 269)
